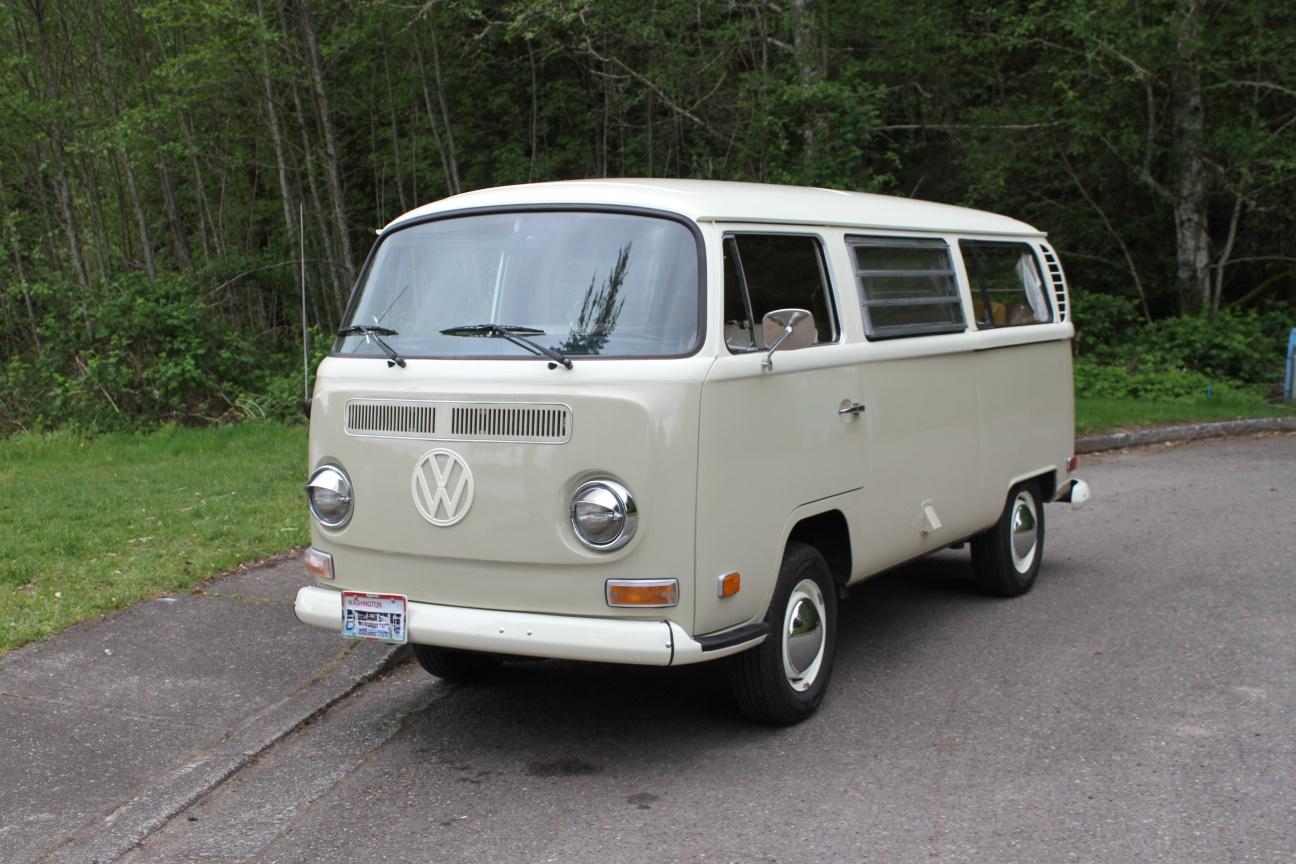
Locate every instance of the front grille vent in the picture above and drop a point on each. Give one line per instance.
(531, 423)
(521, 422)
(1058, 281)
(391, 418)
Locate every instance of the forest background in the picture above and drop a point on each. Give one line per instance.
(156, 157)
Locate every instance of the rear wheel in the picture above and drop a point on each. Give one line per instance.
(453, 664)
(783, 680)
(1006, 558)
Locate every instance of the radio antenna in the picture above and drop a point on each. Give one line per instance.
(301, 250)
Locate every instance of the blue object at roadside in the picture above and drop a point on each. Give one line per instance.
(1291, 365)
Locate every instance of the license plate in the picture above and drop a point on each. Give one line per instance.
(375, 617)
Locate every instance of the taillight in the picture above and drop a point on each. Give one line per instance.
(1072, 462)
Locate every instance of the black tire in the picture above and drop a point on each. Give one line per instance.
(765, 689)
(1001, 569)
(455, 665)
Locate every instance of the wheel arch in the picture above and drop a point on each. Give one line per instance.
(829, 532)
(1046, 478)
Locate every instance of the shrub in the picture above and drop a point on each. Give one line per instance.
(135, 352)
(278, 395)
(1243, 347)
(1118, 354)
(1155, 385)
(1104, 325)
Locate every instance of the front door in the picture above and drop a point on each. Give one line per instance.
(771, 440)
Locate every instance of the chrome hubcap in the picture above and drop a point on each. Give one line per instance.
(1025, 532)
(804, 635)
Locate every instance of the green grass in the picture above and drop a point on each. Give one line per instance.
(1102, 415)
(91, 525)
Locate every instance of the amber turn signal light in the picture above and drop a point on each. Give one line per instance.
(318, 564)
(642, 592)
(729, 584)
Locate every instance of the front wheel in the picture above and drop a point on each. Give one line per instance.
(783, 680)
(1006, 558)
(453, 664)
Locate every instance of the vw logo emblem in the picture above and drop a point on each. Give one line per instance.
(442, 486)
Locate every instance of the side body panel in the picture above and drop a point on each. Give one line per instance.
(954, 420)
(920, 431)
(1023, 436)
(923, 442)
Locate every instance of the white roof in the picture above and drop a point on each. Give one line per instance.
(714, 200)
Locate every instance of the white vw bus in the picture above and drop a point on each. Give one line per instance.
(666, 422)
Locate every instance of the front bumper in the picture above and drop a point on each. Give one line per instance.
(565, 637)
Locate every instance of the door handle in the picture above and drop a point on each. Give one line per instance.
(852, 408)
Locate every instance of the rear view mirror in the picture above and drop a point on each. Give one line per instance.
(787, 329)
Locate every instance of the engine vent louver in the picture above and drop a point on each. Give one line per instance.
(391, 418)
(520, 422)
(1058, 281)
(538, 423)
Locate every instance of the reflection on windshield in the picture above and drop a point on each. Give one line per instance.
(593, 284)
(599, 310)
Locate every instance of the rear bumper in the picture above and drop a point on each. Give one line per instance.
(566, 637)
(1076, 492)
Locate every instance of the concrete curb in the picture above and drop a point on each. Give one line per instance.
(1186, 432)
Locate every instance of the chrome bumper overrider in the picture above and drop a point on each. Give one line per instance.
(566, 637)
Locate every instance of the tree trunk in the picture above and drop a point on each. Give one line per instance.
(445, 109)
(57, 153)
(395, 131)
(141, 221)
(20, 269)
(1221, 266)
(535, 116)
(323, 309)
(414, 156)
(1192, 232)
(276, 136)
(331, 173)
(98, 225)
(206, 225)
(602, 156)
(173, 215)
(805, 43)
(431, 115)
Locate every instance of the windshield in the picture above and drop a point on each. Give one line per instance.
(593, 284)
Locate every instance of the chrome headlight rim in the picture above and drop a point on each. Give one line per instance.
(625, 507)
(332, 478)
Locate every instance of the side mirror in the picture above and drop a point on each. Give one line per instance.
(788, 329)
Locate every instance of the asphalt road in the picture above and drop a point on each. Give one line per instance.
(1138, 706)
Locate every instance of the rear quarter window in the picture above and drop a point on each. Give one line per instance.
(1007, 286)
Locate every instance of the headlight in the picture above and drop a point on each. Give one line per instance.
(603, 515)
(329, 494)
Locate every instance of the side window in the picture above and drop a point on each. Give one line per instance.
(907, 287)
(1007, 288)
(764, 272)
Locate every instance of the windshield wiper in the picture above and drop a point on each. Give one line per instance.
(515, 334)
(376, 333)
